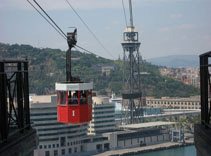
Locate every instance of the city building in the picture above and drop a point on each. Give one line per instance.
(142, 134)
(103, 116)
(174, 103)
(101, 134)
(55, 138)
(189, 76)
(107, 70)
(117, 101)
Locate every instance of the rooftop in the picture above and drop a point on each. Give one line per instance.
(40, 98)
(147, 125)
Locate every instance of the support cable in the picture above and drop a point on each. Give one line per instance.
(88, 28)
(123, 6)
(47, 20)
(86, 50)
(55, 26)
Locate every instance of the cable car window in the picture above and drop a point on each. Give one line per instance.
(83, 97)
(70, 100)
(57, 98)
(90, 97)
(63, 98)
(75, 98)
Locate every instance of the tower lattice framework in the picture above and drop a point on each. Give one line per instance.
(131, 94)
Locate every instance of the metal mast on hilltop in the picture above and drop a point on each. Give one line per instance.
(131, 78)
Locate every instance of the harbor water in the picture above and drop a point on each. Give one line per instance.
(178, 151)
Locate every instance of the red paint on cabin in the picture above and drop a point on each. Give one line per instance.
(74, 109)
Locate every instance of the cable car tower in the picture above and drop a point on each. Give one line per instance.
(131, 95)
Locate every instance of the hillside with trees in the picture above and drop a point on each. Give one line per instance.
(47, 66)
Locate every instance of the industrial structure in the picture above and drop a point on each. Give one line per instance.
(132, 107)
(202, 132)
(16, 134)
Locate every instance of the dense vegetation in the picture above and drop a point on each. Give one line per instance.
(47, 66)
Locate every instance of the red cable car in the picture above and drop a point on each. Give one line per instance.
(74, 98)
(74, 102)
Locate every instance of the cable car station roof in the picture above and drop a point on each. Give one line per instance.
(147, 125)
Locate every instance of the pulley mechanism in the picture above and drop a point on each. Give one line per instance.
(71, 41)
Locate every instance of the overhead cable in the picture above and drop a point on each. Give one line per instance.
(47, 20)
(50, 18)
(123, 6)
(86, 50)
(55, 26)
(88, 28)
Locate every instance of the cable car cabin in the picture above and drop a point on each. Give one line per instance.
(74, 102)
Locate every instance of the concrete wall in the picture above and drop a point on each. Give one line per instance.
(148, 140)
(145, 140)
(166, 137)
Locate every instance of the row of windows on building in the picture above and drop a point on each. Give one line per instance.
(104, 131)
(63, 151)
(56, 138)
(177, 107)
(43, 108)
(102, 126)
(63, 132)
(105, 107)
(104, 112)
(43, 119)
(103, 117)
(76, 136)
(43, 114)
(62, 144)
(173, 102)
(58, 128)
(95, 122)
(53, 124)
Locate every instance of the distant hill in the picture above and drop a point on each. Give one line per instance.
(176, 61)
(47, 66)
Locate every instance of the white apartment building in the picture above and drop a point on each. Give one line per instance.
(103, 116)
(174, 103)
(55, 139)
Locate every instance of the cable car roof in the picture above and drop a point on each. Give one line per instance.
(73, 86)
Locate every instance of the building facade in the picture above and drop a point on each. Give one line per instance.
(103, 116)
(136, 135)
(174, 103)
(55, 138)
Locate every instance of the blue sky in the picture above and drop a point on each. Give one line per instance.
(166, 27)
